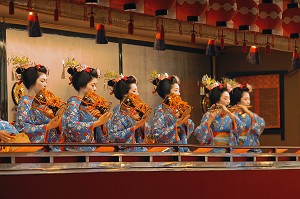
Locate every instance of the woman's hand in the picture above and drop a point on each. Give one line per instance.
(223, 108)
(245, 109)
(54, 122)
(182, 120)
(5, 136)
(103, 119)
(139, 124)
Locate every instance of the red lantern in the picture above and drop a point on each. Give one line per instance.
(192, 9)
(160, 7)
(269, 16)
(246, 15)
(123, 4)
(219, 12)
(291, 20)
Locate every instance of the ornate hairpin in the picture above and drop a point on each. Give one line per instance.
(109, 75)
(209, 82)
(73, 64)
(233, 84)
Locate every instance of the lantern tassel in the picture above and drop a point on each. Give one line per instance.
(244, 48)
(159, 43)
(193, 36)
(34, 29)
(100, 36)
(130, 25)
(222, 41)
(56, 14)
(268, 49)
(92, 18)
(295, 60)
(92, 21)
(11, 7)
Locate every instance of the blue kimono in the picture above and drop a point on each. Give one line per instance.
(253, 129)
(4, 125)
(164, 128)
(120, 128)
(222, 131)
(33, 123)
(77, 126)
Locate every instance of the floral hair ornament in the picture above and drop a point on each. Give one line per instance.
(155, 76)
(250, 87)
(209, 82)
(20, 64)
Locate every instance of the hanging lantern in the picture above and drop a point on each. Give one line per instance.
(159, 43)
(100, 35)
(211, 49)
(219, 12)
(11, 10)
(253, 55)
(192, 9)
(246, 15)
(127, 5)
(291, 20)
(33, 28)
(269, 16)
(160, 7)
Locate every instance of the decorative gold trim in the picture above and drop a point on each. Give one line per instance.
(18, 91)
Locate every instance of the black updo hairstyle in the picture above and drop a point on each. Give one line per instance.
(31, 74)
(82, 78)
(236, 94)
(163, 87)
(215, 94)
(122, 87)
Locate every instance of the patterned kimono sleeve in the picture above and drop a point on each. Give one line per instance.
(147, 129)
(203, 132)
(4, 125)
(163, 130)
(188, 130)
(77, 130)
(258, 125)
(120, 130)
(24, 122)
(237, 128)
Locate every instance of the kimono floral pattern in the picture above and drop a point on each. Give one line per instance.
(165, 131)
(221, 123)
(253, 129)
(4, 125)
(120, 130)
(33, 123)
(77, 126)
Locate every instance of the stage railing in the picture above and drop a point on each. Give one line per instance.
(108, 158)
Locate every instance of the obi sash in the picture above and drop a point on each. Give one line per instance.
(221, 138)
